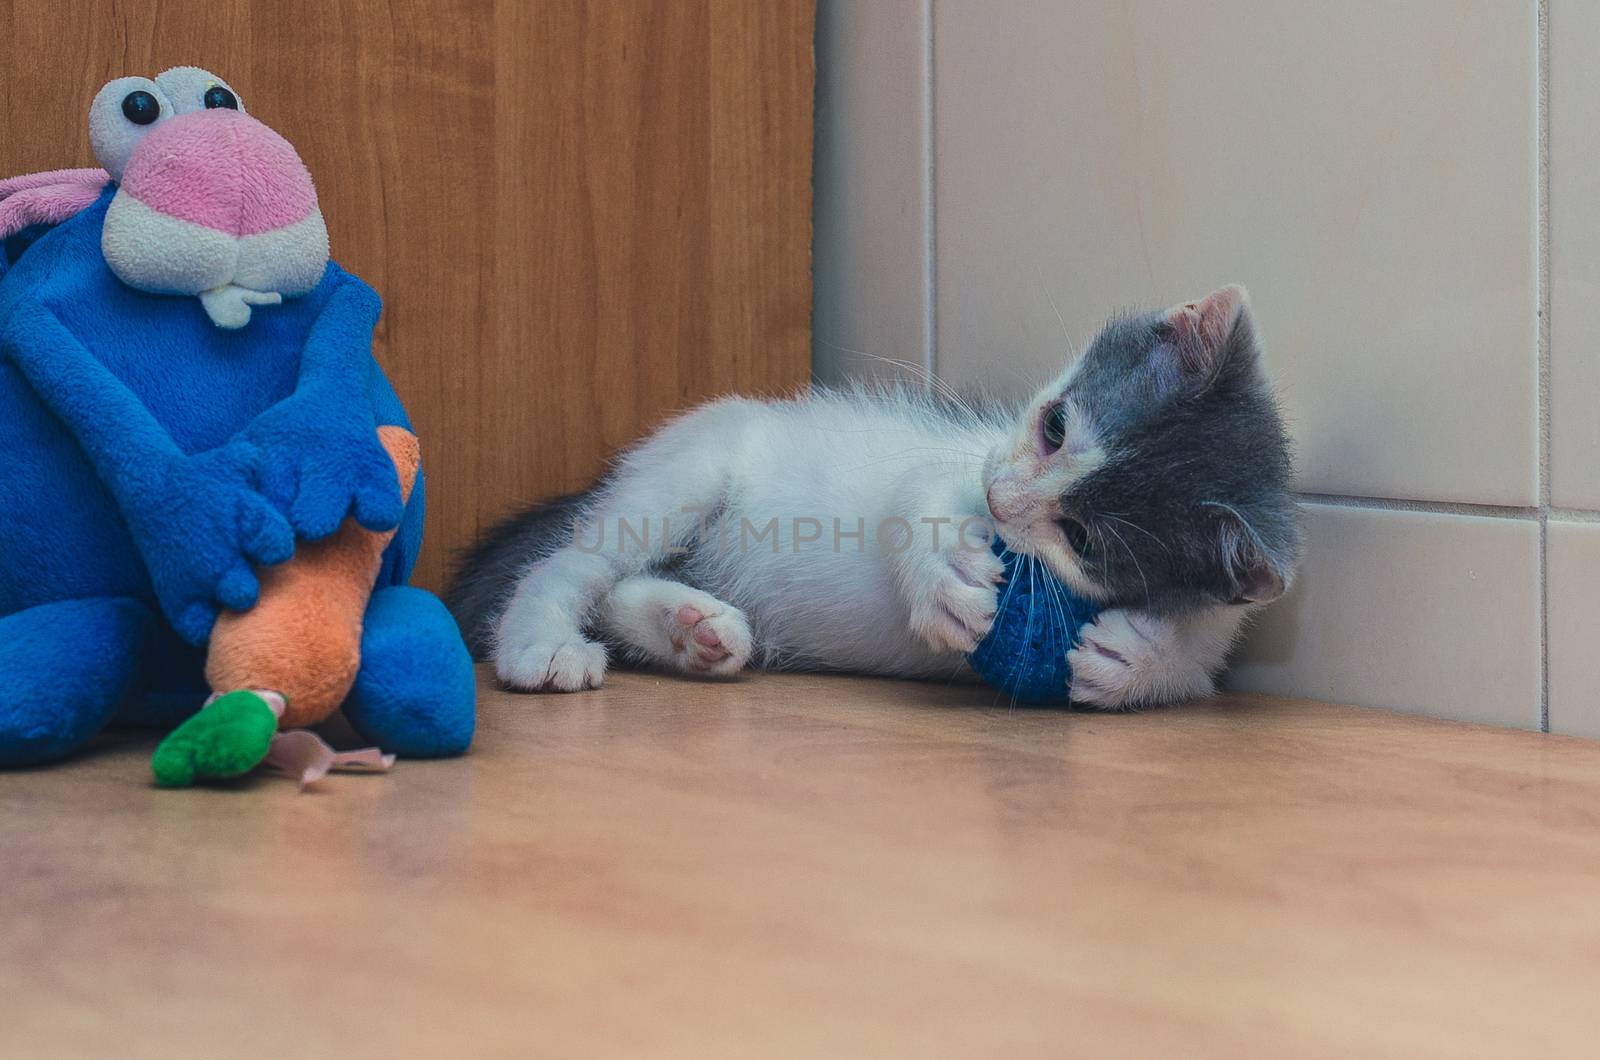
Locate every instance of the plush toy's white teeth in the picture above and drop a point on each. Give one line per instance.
(228, 306)
(154, 252)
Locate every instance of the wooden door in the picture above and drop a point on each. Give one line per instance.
(582, 214)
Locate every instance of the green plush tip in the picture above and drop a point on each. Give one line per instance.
(228, 738)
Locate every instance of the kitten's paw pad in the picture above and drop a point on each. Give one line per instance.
(1124, 661)
(979, 566)
(1112, 662)
(1094, 685)
(546, 666)
(715, 644)
(957, 608)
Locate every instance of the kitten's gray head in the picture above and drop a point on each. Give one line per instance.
(1156, 470)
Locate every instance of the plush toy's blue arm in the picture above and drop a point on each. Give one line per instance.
(338, 350)
(113, 426)
(401, 555)
(195, 519)
(321, 458)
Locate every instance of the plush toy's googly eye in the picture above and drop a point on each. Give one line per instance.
(217, 96)
(122, 114)
(191, 88)
(140, 107)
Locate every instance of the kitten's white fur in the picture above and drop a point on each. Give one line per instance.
(812, 595)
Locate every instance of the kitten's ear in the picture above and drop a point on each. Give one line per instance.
(1251, 575)
(1212, 333)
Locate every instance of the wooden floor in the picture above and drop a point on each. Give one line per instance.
(824, 867)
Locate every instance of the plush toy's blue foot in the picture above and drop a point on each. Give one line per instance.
(416, 695)
(64, 669)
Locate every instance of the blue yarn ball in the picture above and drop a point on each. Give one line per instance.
(1025, 654)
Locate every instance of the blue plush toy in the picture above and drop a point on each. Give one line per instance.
(1025, 653)
(188, 400)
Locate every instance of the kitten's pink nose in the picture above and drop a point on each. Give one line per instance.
(1003, 503)
(1012, 501)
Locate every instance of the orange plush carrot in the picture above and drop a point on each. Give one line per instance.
(302, 639)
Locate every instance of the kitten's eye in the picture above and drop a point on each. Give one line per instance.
(1054, 428)
(1077, 535)
(217, 96)
(140, 107)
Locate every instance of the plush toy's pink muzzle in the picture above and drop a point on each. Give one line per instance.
(215, 204)
(221, 169)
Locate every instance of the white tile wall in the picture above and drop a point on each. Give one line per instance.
(1574, 217)
(1400, 184)
(1573, 560)
(1424, 612)
(1365, 167)
(872, 161)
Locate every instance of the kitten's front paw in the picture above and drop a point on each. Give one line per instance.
(571, 665)
(955, 608)
(1124, 661)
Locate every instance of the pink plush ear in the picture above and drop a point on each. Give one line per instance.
(47, 198)
(1208, 332)
(28, 181)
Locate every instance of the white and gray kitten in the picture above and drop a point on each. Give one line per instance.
(849, 531)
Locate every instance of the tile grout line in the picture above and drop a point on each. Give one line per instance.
(1402, 504)
(1542, 289)
(1513, 512)
(930, 206)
